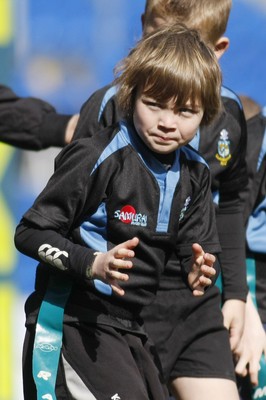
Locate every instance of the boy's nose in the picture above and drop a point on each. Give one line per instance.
(168, 120)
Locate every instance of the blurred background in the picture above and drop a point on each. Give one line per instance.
(62, 51)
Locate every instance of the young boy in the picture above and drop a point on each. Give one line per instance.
(223, 146)
(253, 341)
(116, 209)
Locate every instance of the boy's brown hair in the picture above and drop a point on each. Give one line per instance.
(171, 63)
(209, 17)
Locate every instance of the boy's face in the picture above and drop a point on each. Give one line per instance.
(163, 128)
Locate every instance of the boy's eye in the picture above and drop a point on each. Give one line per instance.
(152, 103)
(186, 111)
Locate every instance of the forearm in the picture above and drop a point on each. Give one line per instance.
(30, 123)
(52, 130)
(232, 238)
(50, 247)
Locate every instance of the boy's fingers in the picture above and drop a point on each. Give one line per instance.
(197, 250)
(114, 274)
(209, 259)
(122, 253)
(208, 271)
(118, 290)
(204, 281)
(131, 243)
(241, 366)
(254, 368)
(125, 249)
(198, 292)
(121, 263)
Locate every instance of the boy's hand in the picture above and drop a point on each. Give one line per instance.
(201, 270)
(252, 345)
(234, 318)
(106, 265)
(70, 128)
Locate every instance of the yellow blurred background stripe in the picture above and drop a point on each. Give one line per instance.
(7, 248)
(7, 224)
(6, 153)
(6, 333)
(6, 22)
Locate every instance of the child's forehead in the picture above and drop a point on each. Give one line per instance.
(174, 102)
(171, 99)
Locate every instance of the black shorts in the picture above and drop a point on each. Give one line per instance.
(99, 362)
(189, 334)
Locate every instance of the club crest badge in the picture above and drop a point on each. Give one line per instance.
(223, 148)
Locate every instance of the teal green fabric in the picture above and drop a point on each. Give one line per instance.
(259, 392)
(48, 338)
(219, 283)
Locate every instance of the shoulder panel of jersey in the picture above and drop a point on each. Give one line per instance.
(193, 155)
(96, 113)
(110, 92)
(229, 93)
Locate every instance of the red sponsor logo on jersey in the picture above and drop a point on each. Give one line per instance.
(128, 215)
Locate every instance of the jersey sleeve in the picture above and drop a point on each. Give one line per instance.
(45, 230)
(30, 123)
(230, 220)
(50, 247)
(233, 257)
(97, 113)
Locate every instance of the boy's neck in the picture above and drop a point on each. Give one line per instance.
(166, 159)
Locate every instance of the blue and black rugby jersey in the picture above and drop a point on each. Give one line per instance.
(108, 189)
(256, 210)
(223, 145)
(256, 161)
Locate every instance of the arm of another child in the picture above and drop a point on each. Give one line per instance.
(252, 345)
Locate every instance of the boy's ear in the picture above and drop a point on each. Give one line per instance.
(221, 46)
